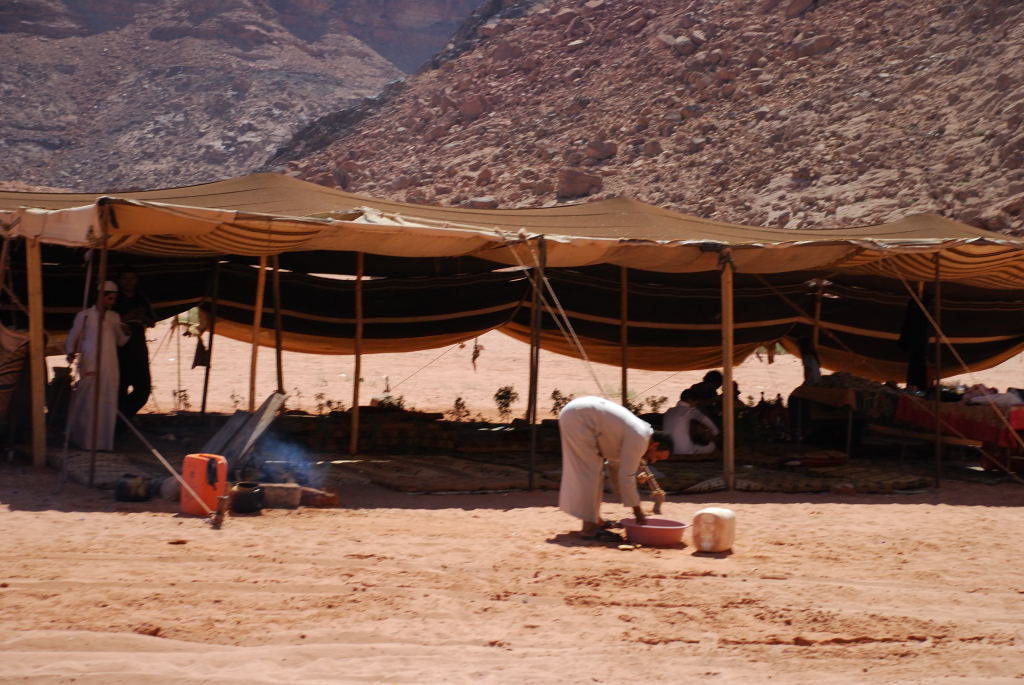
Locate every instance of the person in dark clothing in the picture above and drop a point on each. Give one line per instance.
(707, 397)
(707, 390)
(133, 357)
(914, 341)
(809, 358)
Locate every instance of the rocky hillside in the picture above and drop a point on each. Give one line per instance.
(772, 112)
(114, 94)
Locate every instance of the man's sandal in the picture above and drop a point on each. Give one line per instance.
(603, 535)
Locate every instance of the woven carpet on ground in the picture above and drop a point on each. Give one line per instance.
(435, 473)
(861, 479)
(108, 466)
(509, 471)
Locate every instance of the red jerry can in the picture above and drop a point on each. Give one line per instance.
(207, 475)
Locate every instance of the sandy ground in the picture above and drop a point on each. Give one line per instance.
(400, 588)
(397, 588)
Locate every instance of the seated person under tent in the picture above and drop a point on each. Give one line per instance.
(692, 432)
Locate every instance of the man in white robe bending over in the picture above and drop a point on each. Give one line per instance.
(595, 430)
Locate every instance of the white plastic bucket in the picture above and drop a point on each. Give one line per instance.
(713, 529)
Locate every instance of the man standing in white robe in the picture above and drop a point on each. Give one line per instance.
(82, 342)
(595, 430)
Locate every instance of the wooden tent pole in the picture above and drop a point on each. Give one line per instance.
(937, 385)
(213, 325)
(178, 396)
(357, 349)
(37, 349)
(535, 321)
(257, 320)
(728, 396)
(101, 279)
(277, 323)
(624, 332)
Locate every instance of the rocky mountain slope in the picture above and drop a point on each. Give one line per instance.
(771, 112)
(98, 95)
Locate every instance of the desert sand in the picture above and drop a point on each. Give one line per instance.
(494, 588)
(399, 588)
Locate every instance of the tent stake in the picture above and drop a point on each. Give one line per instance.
(177, 476)
(257, 320)
(357, 349)
(728, 396)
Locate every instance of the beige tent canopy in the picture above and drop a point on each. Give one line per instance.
(267, 214)
(643, 286)
(270, 214)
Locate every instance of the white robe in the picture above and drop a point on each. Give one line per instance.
(82, 341)
(676, 423)
(593, 430)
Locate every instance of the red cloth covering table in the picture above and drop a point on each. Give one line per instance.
(1017, 418)
(978, 421)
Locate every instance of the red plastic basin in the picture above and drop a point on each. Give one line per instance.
(656, 532)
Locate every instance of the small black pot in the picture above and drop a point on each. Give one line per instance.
(131, 488)
(246, 498)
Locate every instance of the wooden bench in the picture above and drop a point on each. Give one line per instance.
(904, 438)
